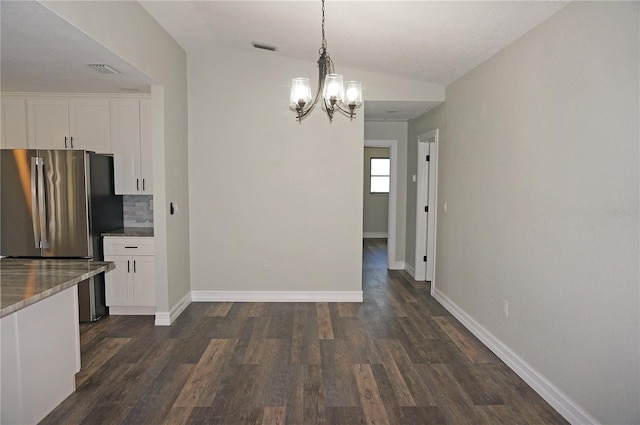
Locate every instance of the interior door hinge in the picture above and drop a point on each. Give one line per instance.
(426, 209)
(424, 258)
(428, 156)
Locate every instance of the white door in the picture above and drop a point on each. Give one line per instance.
(431, 214)
(89, 124)
(48, 122)
(426, 206)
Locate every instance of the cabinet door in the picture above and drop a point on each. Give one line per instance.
(14, 123)
(48, 122)
(144, 284)
(119, 282)
(89, 124)
(146, 160)
(125, 143)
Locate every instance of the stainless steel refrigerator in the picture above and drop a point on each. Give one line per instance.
(55, 204)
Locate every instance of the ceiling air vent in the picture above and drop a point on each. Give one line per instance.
(264, 46)
(103, 69)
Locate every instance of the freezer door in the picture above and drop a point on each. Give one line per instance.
(66, 217)
(19, 219)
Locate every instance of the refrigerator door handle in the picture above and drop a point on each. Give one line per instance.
(34, 197)
(44, 243)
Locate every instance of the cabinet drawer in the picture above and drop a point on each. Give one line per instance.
(128, 246)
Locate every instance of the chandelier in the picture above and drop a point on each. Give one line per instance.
(336, 95)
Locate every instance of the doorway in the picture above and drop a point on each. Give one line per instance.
(426, 207)
(392, 263)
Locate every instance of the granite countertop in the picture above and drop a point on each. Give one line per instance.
(26, 281)
(137, 232)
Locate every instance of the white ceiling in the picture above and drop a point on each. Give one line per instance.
(432, 41)
(40, 52)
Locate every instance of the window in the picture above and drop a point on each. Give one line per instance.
(379, 175)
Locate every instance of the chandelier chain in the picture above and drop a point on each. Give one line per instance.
(324, 41)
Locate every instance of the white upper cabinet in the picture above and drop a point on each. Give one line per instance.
(146, 159)
(69, 123)
(131, 144)
(103, 124)
(14, 123)
(48, 123)
(89, 124)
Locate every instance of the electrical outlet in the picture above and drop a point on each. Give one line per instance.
(265, 265)
(505, 308)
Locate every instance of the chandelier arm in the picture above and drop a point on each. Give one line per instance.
(346, 111)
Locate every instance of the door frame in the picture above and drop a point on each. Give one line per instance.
(392, 264)
(426, 194)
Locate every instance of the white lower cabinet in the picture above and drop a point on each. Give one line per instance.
(39, 357)
(130, 287)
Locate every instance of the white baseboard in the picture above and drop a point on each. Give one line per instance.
(570, 410)
(276, 296)
(166, 318)
(397, 265)
(375, 235)
(411, 270)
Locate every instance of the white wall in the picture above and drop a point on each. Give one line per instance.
(375, 206)
(395, 131)
(265, 187)
(126, 29)
(539, 169)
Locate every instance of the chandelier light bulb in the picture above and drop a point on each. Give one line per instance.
(300, 92)
(333, 88)
(353, 93)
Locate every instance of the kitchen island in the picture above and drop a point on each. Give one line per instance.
(40, 335)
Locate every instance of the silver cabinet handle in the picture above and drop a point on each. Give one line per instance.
(65, 142)
(137, 184)
(71, 138)
(134, 266)
(143, 185)
(128, 266)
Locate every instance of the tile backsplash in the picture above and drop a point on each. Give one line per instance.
(137, 210)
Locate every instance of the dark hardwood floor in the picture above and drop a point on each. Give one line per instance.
(397, 358)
